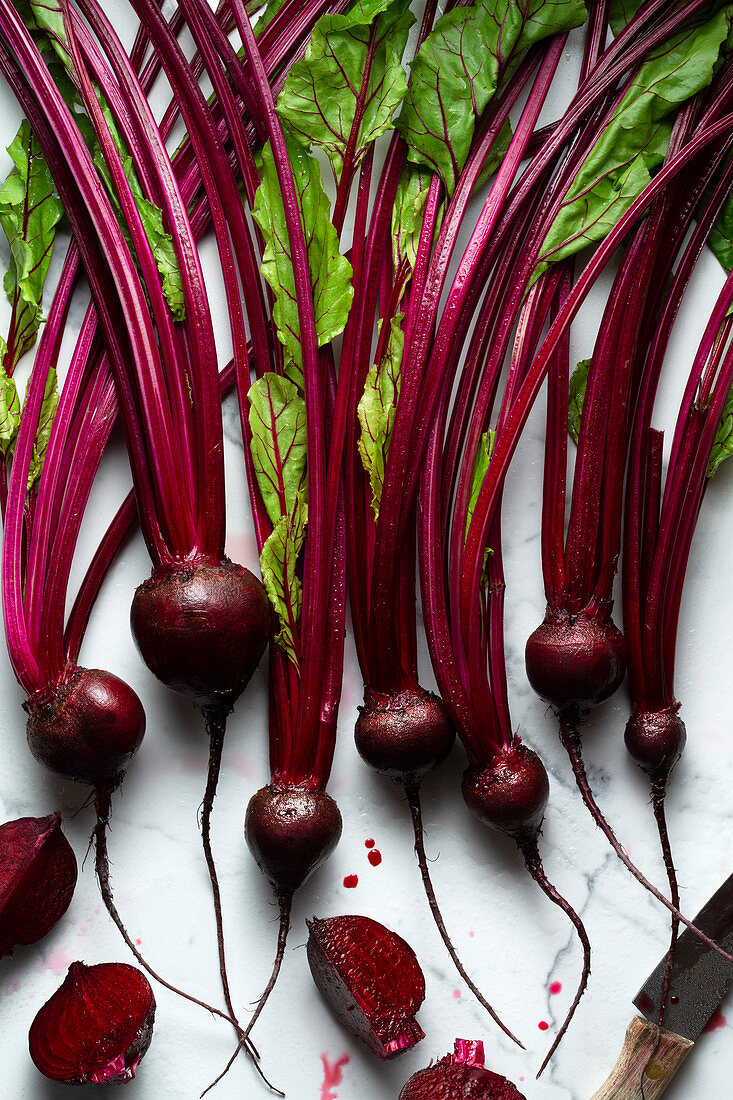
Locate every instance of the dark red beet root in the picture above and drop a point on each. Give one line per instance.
(575, 663)
(202, 630)
(403, 735)
(89, 729)
(511, 794)
(371, 980)
(37, 879)
(460, 1076)
(655, 739)
(290, 832)
(96, 1027)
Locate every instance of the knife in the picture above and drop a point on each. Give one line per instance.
(700, 980)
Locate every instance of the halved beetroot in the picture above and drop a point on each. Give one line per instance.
(96, 1027)
(460, 1076)
(371, 979)
(37, 879)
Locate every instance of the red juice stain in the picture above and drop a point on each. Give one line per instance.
(645, 1004)
(375, 857)
(716, 1020)
(555, 988)
(351, 881)
(456, 994)
(138, 942)
(332, 1076)
(543, 1025)
(472, 934)
(369, 843)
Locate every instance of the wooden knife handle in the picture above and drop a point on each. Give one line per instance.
(624, 1081)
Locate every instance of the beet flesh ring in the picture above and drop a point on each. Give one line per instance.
(96, 1027)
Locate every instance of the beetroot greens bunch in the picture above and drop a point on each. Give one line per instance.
(660, 523)
(694, 52)
(179, 300)
(401, 254)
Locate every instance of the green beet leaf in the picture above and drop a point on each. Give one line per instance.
(45, 423)
(151, 216)
(578, 383)
(480, 468)
(330, 271)
(459, 67)
(278, 564)
(617, 169)
(326, 101)
(30, 210)
(407, 214)
(622, 12)
(9, 408)
(377, 409)
(277, 423)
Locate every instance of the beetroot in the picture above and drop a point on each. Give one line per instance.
(511, 794)
(290, 832)
(96, 1027)
(403, 734)
(460, 1076)
(575, 661)
(88, 729)
(202, 629)
(37, 879)
(371, 980)
(655, 739)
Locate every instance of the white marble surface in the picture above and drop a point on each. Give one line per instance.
(514, 943)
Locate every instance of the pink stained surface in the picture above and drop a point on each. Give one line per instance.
(555, 988)
(543, 1025)
(332, 1076)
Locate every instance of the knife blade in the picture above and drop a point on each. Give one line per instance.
(700, 980)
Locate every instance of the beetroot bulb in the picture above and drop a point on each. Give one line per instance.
(96, 1027)
(37, 879)
(460, 1076)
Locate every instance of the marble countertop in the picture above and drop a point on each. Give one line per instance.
(520, 950)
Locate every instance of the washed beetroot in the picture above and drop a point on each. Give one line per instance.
(511, 794)
(88, 728)
(202, 630)
(37, 879)
(290, 832)
(655, 739)
(370, 979)
(404, 734)
(96, 1027)
(575, 661)
(460, 1076)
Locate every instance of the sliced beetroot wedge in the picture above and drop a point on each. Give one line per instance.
(371, 980)
(37, 879)
(96, 1027)
(460, 1076)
